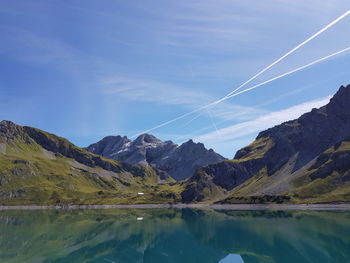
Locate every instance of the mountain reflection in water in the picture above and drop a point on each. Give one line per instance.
(172, 235)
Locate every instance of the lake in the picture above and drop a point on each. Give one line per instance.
(174, 235)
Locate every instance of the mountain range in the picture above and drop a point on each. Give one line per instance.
(306, 160)
(37, 167)
(179, 161)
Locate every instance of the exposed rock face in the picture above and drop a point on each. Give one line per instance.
(178, 161)
(336, 159)
(143, 150)
(305, 138)
(183, 160)
(108, 145)
(9, 131)
(311, 134)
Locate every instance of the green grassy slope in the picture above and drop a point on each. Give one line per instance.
(40, 168)
(325, 179)
(328, 179)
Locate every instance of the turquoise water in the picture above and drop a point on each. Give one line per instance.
(170, 235)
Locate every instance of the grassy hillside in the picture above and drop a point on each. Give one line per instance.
(323, 180)
(40, 168)
(328, 179)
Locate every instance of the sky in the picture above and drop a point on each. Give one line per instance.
(86, 69)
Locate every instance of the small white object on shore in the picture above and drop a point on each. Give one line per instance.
(140, 193)
(139, 218)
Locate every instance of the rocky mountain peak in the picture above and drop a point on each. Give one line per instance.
(193, 148)
(5, 126)
(340, 103)
(146, 139)
(178, 161)
(310, 134)
(109, 144)
(7, 123)
(337, 110)
(191, 143)
(9, 130)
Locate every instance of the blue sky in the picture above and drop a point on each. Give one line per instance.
(87, 69)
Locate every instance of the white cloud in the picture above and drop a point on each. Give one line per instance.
(167, 94)
(259, 124)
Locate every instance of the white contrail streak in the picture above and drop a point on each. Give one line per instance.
(191, 120)
(243, 91)
(286, 74)
(290, 72)
(212, 121)
(254, 77)
(289, 53)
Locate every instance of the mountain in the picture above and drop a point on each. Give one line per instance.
(180, 162)
(306, 160)
(37, 167)
(299, 160)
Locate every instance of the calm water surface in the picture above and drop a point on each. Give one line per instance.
(171, 235)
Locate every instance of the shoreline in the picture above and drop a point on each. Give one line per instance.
(314, 207)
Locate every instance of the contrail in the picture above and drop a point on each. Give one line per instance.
(252, 78)
(243, 91)
(290, 72)
(191, 120)
(212, 121)
(290, 52)
(286, 74)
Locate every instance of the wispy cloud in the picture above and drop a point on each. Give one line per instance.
(226, 24)
(29, 46)
(167, 94)
(261, 123)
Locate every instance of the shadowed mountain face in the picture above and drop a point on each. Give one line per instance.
(40, 168)
(308, 136)
(168, 236)
(178, 161)
(266, 165)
